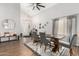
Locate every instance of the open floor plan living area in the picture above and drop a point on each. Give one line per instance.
(39, 29)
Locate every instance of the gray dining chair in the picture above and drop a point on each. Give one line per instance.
(70, 44)
(35, 38)
(44, 41)
(73, 43)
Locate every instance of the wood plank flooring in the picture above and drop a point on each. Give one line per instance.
(17, 48)
(14, 48)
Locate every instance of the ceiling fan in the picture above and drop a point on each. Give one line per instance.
(37, 5)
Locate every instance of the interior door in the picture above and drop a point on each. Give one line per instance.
(26, 27)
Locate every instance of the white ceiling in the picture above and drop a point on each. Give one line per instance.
(27, 8)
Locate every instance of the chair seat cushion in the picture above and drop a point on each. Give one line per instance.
(65, 44)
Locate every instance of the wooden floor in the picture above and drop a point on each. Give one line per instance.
(14, 48)
(17, 48)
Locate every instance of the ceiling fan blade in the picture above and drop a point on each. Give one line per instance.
(38, 8)
(38, 3)
(33, 8)
(41, 6)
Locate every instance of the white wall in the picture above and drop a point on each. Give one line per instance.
(78, 24)
(25, 20)
(10, 11)
(43, 20)
(58, 10)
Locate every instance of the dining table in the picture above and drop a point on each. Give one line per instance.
(53, 37)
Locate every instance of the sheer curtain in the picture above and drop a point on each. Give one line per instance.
(62, 26)
(55, 26)
(65, 26)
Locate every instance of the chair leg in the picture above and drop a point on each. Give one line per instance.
(40, 45)
(45, 49)
(31, 38)
(71, 52)
(36, 43)
(33, 41)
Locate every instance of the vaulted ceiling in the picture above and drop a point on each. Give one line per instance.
(28, 8)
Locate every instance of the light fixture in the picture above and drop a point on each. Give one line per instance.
(37, 5)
